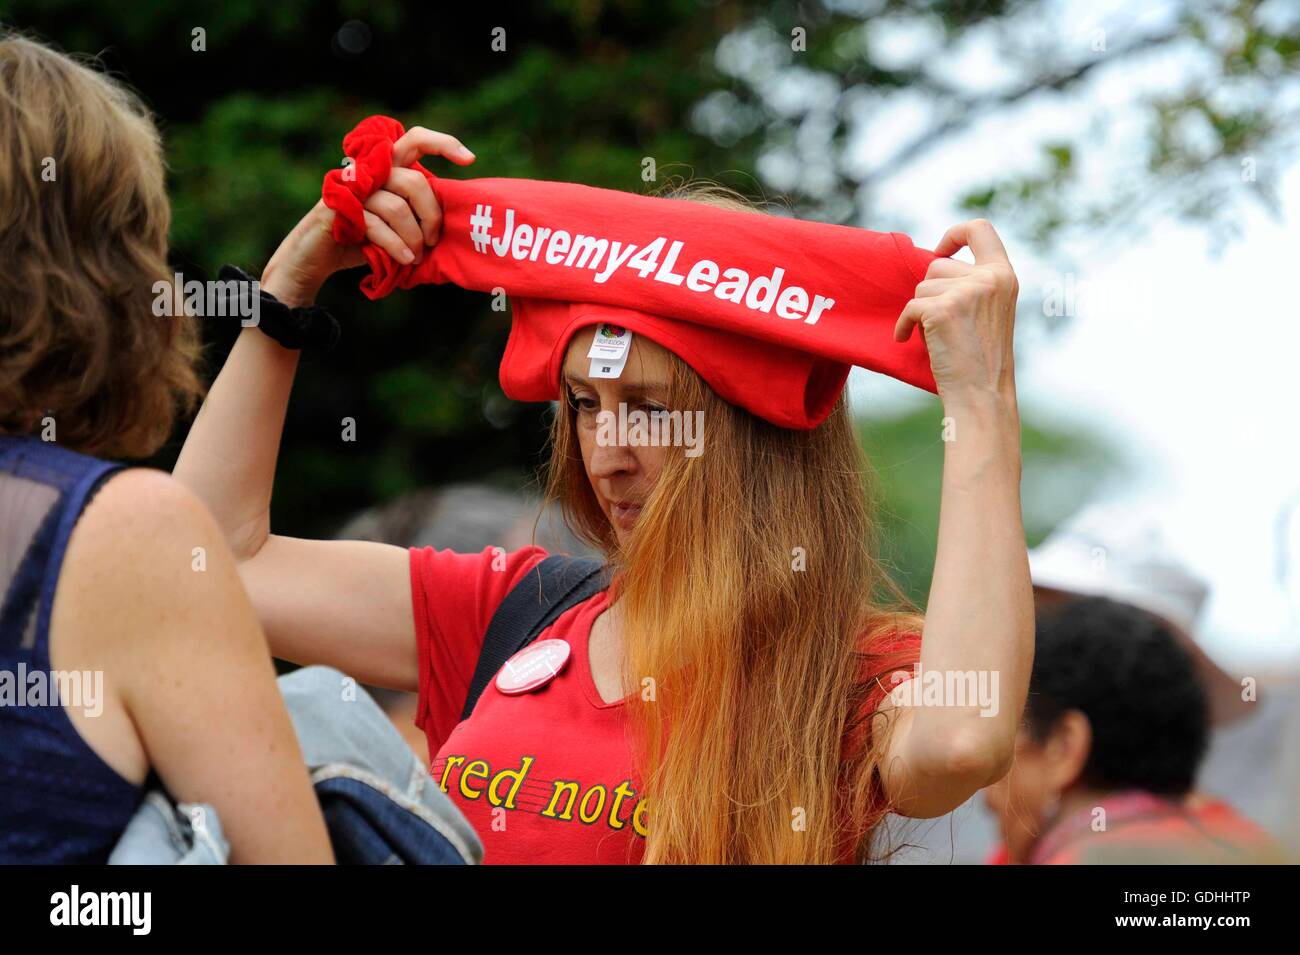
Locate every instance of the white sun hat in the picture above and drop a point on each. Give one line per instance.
(1118, 551)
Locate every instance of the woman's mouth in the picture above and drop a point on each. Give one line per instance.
(624, 515)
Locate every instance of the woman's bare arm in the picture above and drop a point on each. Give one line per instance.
(344, 603)
(980, 617)
(157, 607)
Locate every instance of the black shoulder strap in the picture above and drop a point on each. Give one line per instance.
(549, 589)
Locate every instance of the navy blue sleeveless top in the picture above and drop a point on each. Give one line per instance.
(59, 801)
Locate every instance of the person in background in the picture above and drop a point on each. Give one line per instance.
(1119, 551)
(1111, 551)
(1115, 728)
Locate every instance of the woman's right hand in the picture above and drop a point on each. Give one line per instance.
(403, 218)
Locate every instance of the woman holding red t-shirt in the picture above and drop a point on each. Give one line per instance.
(725, 699)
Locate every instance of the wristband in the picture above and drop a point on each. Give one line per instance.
(310, 328)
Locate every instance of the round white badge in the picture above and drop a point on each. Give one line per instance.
(535, 665)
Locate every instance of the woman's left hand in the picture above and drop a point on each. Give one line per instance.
(967, 314)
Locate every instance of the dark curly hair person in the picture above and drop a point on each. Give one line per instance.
(1115, 728)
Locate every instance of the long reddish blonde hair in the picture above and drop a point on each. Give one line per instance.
(753, 674)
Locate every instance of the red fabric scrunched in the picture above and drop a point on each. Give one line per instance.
(370, 147)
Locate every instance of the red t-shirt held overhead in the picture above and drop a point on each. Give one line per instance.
(543, 776)
(770, 310)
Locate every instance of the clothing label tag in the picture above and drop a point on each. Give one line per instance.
(600, 368)
(609, 350)
(534, 666)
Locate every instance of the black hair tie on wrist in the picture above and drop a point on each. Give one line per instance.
(310, 329)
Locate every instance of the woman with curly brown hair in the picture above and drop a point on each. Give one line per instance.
(128, 648)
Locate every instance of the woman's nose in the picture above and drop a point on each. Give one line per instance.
(608, 456)
(606, 461)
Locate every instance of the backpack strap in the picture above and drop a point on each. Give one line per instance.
(552, 587)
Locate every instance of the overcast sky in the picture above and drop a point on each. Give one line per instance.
(1184, 358)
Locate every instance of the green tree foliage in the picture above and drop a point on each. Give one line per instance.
(1060, 469)
(1198, 114)
(253, 100)
(253, 120)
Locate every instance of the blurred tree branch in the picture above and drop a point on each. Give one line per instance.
(1216, 83)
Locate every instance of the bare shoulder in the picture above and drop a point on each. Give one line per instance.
(138, 510)
(138, 551)
(125, 590)
(155, 601)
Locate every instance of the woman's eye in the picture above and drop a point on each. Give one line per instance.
(583, 403)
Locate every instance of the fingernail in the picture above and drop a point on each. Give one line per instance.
(466, 150)
(407, 255)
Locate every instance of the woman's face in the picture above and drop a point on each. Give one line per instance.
(1022, 798)
(1028, 798)
(621, 475)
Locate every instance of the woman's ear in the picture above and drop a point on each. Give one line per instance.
(1067, 749)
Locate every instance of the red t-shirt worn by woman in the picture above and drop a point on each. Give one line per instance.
(543, 776)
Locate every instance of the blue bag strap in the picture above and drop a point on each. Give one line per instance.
(552, 587)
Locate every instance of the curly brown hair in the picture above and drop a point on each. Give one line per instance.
(83, 237)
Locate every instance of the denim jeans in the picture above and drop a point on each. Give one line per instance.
(163, 832)
(380, 804)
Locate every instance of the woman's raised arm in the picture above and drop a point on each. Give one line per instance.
(980, 617)
(342, 603)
